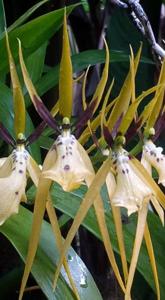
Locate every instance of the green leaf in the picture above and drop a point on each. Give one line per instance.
(2, 17)
(26, 15)
(69, 203)
(36, 69)
(32, 35)
(80, 62)
(121, 32)
(46, 258)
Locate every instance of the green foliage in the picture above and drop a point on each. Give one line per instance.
(35, 37)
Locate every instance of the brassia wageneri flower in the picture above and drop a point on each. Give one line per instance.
(71, 164)
(13, 182)
(128, 189)
(152, 156)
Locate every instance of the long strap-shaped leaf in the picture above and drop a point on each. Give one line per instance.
(88, 200)
(19, 104)
(152, 259)
(65, 76)
(142, 215)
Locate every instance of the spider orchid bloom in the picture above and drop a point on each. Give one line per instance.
(13, 182)
(71, 165)
(126, 187)
(152, 156)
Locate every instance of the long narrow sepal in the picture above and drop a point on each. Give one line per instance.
(124, 97)
(39, 209)
(84, 118)
(99, 210)
(150, 250)
(142, 216)
(158, 99)
(6, 136)
(83, 209)
(39, 105)
(57, 233)
(118, 225)
(102, 83)
(65, 76)
(100, 215)
(36, 133)
(19, 103)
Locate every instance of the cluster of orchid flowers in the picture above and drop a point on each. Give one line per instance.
(129, 182)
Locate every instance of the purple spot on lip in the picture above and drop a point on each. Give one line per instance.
(60, 143)
(66, 167)
(16, 193)
(20, 171)
(63, 156)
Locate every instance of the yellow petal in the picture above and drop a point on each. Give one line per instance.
(83, 209)
(99, 210)
(65, 77)
(158, 99)
(19, 104)
(39, 209)
(158, 209)
(142, 215)
(124, 97)
(150, 250)
(131, 112)
(58, 237)
(102, 83)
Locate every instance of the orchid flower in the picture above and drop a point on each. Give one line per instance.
(13, 182)
(15, 168)
(129, 188)
(71, 166)
(152, 156)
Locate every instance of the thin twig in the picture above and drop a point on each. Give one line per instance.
(143, 24)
